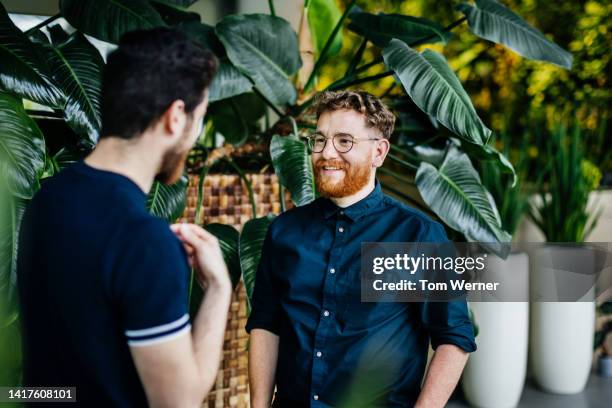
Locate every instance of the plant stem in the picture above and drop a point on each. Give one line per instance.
(402, 161)
(388, 90)
(272, 10)
(361, 80)
(247, 183)
(407, 198)
(282, 197)
(365, 67)
(396, 175)
(428, 141)
(446, 29)
(357, 57)
(203, 174)
(379, 60)
(404, 152)
(268, 102)
(295, 126)
(348, 78)
(327, 46)
(43, 23)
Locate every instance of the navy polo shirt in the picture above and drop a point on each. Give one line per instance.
(335, 350)
(96, 274)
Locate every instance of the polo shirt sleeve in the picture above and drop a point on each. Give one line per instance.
(151, 284)
(447, 322)
(265, 303)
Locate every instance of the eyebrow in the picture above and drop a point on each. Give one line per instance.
(318, 132)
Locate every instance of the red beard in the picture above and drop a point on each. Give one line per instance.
(355, 178)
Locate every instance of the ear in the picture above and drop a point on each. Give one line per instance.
(174, 119)
(380, 152)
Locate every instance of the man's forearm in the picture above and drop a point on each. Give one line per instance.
(209, 331)
(442, 376)
(263, 356)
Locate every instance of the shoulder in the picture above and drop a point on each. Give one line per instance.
(148, 229)
(427, 228)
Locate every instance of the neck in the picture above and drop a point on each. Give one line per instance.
(129, 158)
(358, 196)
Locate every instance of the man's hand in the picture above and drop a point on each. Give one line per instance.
(180, 372)
(204, 254)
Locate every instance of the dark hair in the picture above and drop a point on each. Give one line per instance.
(147, 72)
(377, 114)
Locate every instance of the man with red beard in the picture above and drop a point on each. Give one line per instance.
(311, 336)
(104, 285)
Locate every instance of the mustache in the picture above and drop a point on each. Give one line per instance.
(332, 163)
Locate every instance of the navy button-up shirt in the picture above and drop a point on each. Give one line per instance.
(335, 350)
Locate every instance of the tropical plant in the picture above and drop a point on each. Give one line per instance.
(567, 178)
(439, 133)
(511, 199)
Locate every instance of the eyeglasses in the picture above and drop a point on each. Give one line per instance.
(342, 143)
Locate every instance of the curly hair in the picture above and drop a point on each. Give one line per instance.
(377, 114)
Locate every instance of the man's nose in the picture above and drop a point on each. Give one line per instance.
(329, 151)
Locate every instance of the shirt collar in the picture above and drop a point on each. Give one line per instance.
(357, 209)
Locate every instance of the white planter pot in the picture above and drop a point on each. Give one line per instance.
(495, 372)
(561, 333)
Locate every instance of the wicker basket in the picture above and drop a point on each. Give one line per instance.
(226, 200)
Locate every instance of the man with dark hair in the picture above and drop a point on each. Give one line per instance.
(103, 284)
(311, 336)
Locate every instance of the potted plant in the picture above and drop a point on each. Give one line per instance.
(603, 341)
(561, 333)
(495, 373)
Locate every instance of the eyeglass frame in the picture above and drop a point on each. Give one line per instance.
(353, 141)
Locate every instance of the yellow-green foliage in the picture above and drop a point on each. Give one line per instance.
(505, 87)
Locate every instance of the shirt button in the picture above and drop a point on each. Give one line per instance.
(332, 270)
(326, 313)
(319, 354)
(341, 212)
(315, 397)
(341, 229)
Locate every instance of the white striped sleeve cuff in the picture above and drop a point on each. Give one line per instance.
(158, 334)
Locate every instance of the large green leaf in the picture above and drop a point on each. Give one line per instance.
(455, 193)
(265, 49)
(293, 166)
(237, 117)
(69, 155)
(250, 246)
(108, 20)
(22, 148)
(228, 241)
(168, 201)
(182, 3)
(77, 67)
(494, 22)
(204, 34)
(11, 213)
(323, 15)
(489, 153)
(23, 69)
(228, 82)
(382, 28)
(436, 90)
